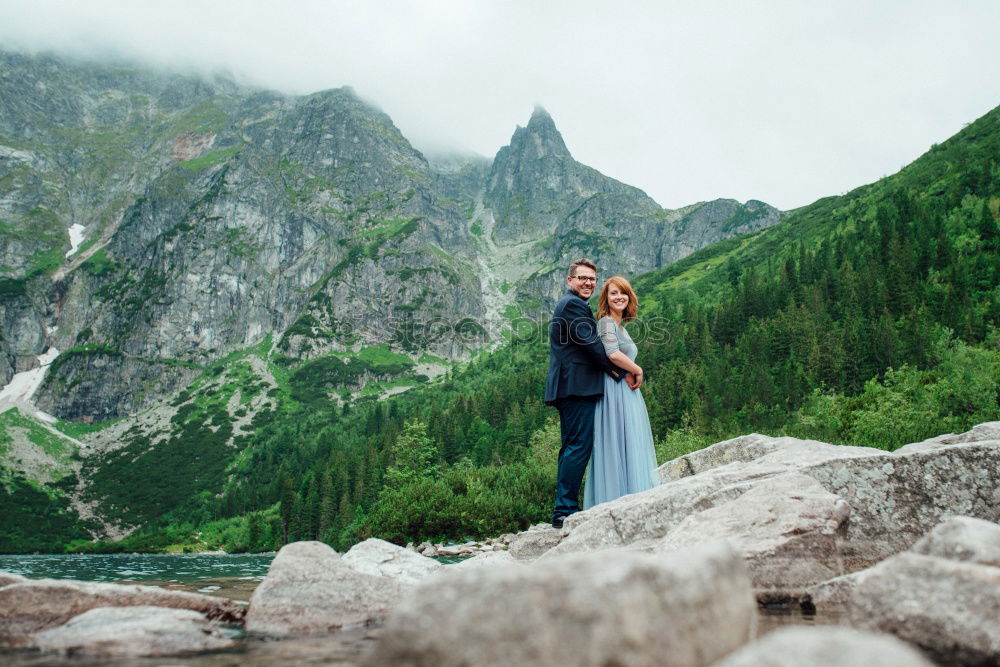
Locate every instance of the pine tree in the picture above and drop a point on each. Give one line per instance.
(415, 455)
(287, 509)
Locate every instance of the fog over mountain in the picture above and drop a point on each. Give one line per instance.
(782, 101)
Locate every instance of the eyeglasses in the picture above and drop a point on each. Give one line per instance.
(587, 279)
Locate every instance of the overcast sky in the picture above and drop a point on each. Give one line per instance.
(784, 101)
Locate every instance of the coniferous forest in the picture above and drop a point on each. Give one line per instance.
(869, 318)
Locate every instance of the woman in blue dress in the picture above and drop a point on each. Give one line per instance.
(623, 461)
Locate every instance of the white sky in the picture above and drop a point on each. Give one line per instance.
(784, 101)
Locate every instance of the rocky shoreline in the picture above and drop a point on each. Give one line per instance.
(904, 546)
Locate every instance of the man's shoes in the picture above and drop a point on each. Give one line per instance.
(557, 522)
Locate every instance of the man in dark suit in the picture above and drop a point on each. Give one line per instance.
(577, 363)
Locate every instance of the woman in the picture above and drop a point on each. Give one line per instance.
(623, 461)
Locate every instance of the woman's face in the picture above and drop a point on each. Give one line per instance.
(617, 299)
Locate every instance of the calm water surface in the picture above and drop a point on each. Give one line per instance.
(227, 575)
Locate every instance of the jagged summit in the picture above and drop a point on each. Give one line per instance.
(539, 139)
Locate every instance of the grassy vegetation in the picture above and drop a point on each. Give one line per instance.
(382, 357)
(211, 159)
(99, 264)
(58, 448)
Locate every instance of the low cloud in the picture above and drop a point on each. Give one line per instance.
(780, 101)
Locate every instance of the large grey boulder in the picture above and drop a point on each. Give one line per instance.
(963, 538)
(786, 527)
(133, 632)
(958, 538)
(39, 604)
(894, 498)
(384, 559)
(642, 519)
(611, 608)
(894, 504)
(948, 608)
(310, 590)
(532, 543)
(829, 646)
(8, 578)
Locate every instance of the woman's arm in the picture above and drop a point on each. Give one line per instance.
(621, 360)
(608, 332)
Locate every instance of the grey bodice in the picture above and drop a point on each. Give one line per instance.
(615, 338)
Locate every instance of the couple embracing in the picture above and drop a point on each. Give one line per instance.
(594, 382)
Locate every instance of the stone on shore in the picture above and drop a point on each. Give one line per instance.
(133, 632)
(828, 646)
(963, 538)
(534, 542)
(611, 608)
(948, 608)
(40, 604)
(485, 559)
(8, 578)
(786, 528)
(831, 595)
(384, 559)
(309, 590)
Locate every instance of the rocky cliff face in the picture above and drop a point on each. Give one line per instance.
(555, 209)
(151, 224)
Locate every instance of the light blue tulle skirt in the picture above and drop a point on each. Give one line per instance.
(623, 461)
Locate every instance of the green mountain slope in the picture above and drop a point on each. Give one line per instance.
(863, 319)
(868, 318)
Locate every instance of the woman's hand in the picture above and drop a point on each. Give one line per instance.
(635, 380)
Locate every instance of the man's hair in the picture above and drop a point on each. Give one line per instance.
(583, 261)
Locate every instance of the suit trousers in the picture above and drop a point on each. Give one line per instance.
(576, 425)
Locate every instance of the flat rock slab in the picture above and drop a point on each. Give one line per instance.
(609, 608)
(827, 646)
(950, 609)
(40, 604)
(133, 632)
(786, 528)
(384, 559)
(309, 590)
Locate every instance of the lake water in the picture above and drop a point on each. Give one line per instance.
(228, 575)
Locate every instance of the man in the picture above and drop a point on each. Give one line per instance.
(575, 382)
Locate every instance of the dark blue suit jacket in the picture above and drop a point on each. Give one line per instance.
(577, 361)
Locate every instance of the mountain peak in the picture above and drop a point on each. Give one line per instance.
(540, 138)
(540, 115)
